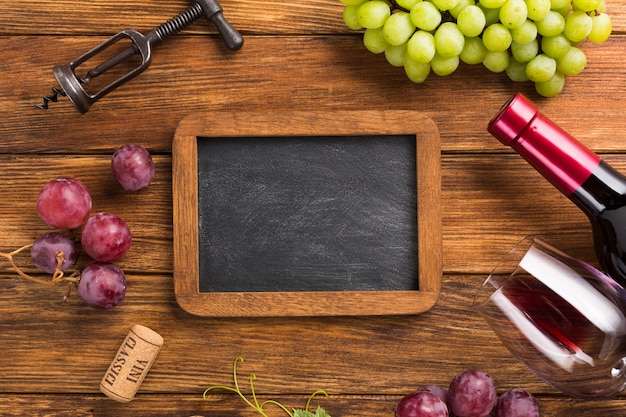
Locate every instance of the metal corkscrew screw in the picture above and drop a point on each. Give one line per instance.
(73, 86)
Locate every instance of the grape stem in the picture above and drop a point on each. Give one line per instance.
(255, 401)
(57, 277)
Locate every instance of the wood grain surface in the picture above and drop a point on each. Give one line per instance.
(297, 56)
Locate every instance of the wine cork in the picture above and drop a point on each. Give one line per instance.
(131, 363)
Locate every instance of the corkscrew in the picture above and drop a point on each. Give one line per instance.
(74, 87)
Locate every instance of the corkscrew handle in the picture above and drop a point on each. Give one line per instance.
(232, 38)
(213, 12)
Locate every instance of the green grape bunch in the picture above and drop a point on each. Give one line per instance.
(530, 40)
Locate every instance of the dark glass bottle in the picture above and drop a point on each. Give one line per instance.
(581, 175)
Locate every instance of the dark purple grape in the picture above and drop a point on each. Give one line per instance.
(132, 167)
(472, 394)
(44, 252)
(517, 403)
(102, 285)
(64, 203)
(105, 237)
(421, 404)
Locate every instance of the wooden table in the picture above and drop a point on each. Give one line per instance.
(297, 55)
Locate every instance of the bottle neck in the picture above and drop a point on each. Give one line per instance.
(556, 155)
(605, 189)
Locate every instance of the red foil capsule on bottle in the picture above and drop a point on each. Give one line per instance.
(556, 155)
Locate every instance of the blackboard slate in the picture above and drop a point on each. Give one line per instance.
(307, 213)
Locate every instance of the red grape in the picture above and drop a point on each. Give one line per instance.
(64, 203)
(132, 167)
(421, 404)
(105, 237)
(517, 403)
(44, 252)
(472, 394)
(439, 391)
(102, 285)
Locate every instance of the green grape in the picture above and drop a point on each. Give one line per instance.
(538, 9)
(577, 26)
(473, 52)
(586, 5)
(445, 5)
(513, 13)
(601, 29)
(395, 54)
(350, 17)
(471, 20)
(525, 52)
(527, 32)
(551, 25)
(398, 28)
(601, 8)
(449, 40)
(497, 37)
(564, 11)
(491, 15)
(374, 40)
(460, 6)
(497, 61)
(555, 46)
(572, 63)
(373, 14)
(425, 15)
(541, 68)
(407, 4)
(444, 66)
(421, 47)
(516, 71)
(560, 4)
(416, 71)
(552, 87)
(492, 4)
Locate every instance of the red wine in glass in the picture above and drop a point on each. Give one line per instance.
(564, 319)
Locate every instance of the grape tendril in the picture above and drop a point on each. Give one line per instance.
(255, 404)
(57, 277)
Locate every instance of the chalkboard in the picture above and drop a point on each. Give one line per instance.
(306, 213)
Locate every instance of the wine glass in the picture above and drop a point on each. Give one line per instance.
(562, 318)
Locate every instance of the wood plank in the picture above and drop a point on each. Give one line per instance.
(107, 17)
(289, 356)
(309, 17)
(206, 78)
(483, 214)
(148, 213)
(222, 406)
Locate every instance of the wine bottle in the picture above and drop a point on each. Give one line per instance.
(578, 173)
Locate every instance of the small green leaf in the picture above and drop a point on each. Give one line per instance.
(320, 412)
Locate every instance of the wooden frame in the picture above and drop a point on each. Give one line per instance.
(305, 123)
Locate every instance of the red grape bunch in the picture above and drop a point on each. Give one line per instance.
(471, 393)
(65, 203)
